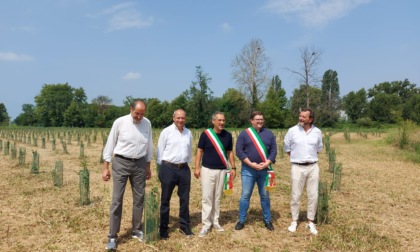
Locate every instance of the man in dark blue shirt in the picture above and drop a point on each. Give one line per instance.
(257, 149)
(214, 152)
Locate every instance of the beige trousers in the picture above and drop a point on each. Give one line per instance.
(301, 174)
(212, 189)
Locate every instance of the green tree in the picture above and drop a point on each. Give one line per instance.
(27, 117)
(298, 100)
(250, 72)
(4, 116)
(388, 100)
(330, 100)
(235, 107)
(274, 105)
(355, 104)
(199, 96)
(74, 115)
(52, 102)
(159, 113)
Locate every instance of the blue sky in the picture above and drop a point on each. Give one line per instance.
(151, 48)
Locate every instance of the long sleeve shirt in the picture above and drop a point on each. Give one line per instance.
(174, 146)
(129, 139)
(303, 146)
(245, 148)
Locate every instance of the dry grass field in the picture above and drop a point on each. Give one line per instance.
(377, 208)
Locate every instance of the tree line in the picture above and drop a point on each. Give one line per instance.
(60, 104)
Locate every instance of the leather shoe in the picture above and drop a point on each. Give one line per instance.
(186, 231)
(269, 225)
(164, 234)
(239, 225)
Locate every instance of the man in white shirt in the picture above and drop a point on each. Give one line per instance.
(303, 142)
(173, 154)
(130, 142)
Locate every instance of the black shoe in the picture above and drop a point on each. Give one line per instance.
(164, 234)
(186, 231)
(239, 225)
(269, 225)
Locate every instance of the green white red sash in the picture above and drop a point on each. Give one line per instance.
(220, 149)
(259, 145)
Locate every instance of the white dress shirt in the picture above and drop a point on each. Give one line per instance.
(303, 146)
(174, 146)
(129, 139)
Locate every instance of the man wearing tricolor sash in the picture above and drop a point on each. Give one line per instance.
(214, 153)
(257, 149)
(303, 142)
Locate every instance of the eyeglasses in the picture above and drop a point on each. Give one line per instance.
(258, 119)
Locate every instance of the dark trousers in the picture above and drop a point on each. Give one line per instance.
(170, 177)
(122, 171)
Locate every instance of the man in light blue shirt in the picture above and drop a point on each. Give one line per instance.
(303, 142)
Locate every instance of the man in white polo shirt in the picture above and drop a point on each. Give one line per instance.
(303, 142)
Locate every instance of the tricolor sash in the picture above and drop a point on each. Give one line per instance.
(220, 149)
(259, 145)
(270, 181)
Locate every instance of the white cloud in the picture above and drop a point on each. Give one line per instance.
(313, 13)
(123, 16)
(226, 27)
(11, 56)
(126, 19)
(131, 76)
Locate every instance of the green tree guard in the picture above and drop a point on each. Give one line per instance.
(82, 151)
(84, 185)
(57, 174)
(6, 148)
(13, 151)
(22, 156)
(322, 211)
(151, 216)
(336, 184)
(43, 143)
(331, 160)
(35, 163)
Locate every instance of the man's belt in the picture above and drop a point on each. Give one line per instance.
(307, 163)
(175, 165)
(127, 158)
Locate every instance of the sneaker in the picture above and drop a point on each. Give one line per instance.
(164, 234)
(112, 244)
(239, 225)
(204, 231)
(218, 228)
(269, 225)
(312, 228)
(292, 227)
(186, 231)
(138, 236)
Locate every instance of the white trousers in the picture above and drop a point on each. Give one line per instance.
(212, 189)
(301, 174)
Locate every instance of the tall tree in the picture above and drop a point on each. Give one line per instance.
(102, 102)
(388, 100)
(4, 116)
(355, 104)
(307, 75)
(27, 117)
(298, 99)
(250, 71)
(274, 104)
(52, 102)
(199, 96)
(235, 107)
(330, 100)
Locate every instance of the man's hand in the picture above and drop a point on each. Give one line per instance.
(197, 172)
(148, 173)
(106, 174)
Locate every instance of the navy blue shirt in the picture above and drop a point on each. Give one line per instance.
(210, 157)
(245, 148)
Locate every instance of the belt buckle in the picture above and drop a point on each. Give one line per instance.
(178, 165)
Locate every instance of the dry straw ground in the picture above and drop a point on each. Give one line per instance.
(377, 208)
